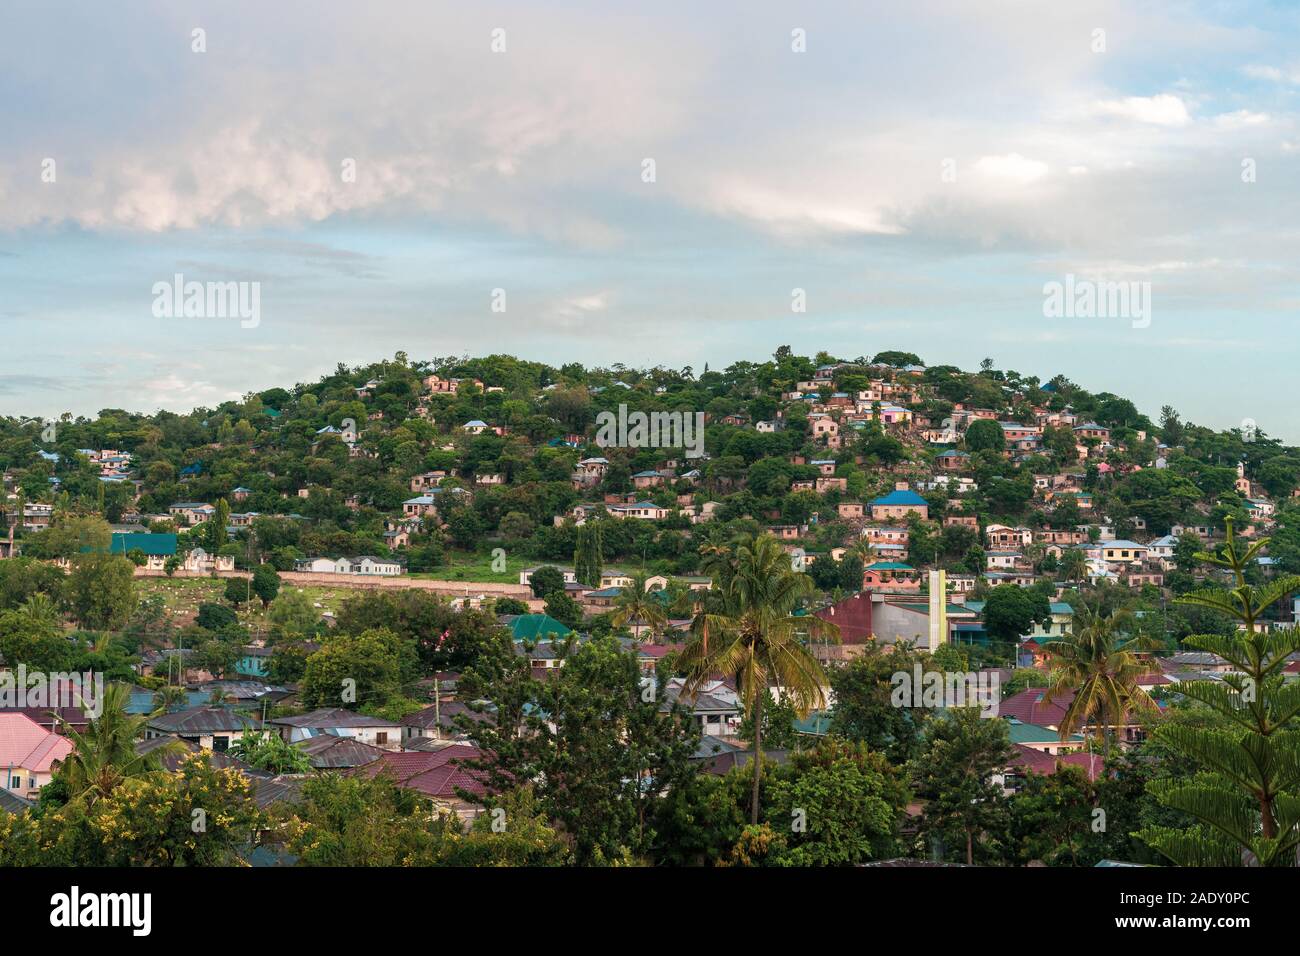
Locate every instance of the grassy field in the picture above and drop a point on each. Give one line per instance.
(182, 597)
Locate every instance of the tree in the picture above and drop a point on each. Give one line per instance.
(216, 617)
(236, 591)
(1052, 817)
(294, 617)
(199, 815)
(863, 709)
(778, 724)
(216, 532)
(749, 630)
(354, 669)
(546, 580)
(984, 434)
(104, 755)
(266, 583)
(270, 752)
(954, 775)
(509, 605)
(516, 527)
(640, 607)
(101, 591)
(1097, 662)
(594, 739)
(564, 609)
(587, 557)
(1245, 801)
(1011, 611)
(840, 803)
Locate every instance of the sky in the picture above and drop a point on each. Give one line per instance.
(651, 186)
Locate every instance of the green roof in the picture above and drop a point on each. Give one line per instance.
(1022, 733)
(535, 627)
(163, 545)
(815, 724)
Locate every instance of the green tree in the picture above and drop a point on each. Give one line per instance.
(588, 560)
(750, 631)
(1246, 800)
(594, 738)
(266, 583)
(639, 607)
(954, 776)
(1097, 662)
(270, 752)
(101, 591)
(1011, 611)
(546, 580)
(840, 803)
(103, 755)
(354, 669)
(984, 434)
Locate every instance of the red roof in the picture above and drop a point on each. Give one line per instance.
(1091, 763)
(26, 744)
(435, 773)
(1036, 761)
(1028, 707)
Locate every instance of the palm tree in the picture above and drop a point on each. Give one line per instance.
(104, 755)
(1074, 563)
(167, 697)
(748, 630)
(40, 611)
(1097, 661)
(640, 606)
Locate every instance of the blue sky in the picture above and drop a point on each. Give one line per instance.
(522, 170)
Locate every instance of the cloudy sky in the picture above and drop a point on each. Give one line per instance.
(919, 171)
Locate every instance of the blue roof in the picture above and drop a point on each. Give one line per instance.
(901, 498)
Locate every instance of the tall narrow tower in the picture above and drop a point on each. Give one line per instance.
(938, 609)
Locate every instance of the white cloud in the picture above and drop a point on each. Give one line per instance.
(1012, 166)
(1164, 109)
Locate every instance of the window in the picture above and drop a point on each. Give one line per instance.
(381, 738)
(220, 744)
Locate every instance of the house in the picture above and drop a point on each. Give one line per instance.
(1123, 552)
(899, 504)
(448, 386)
(437, 774)
(156, 548)
(891, 576)
(641, 510)
(534, 627)
(338, 722)
(29, 754)
(427, 480)
(715, 706)
(363, 565)
(191, 512)
(1093, 431)
(1042, 739)
(1031, 707)
(590, 471)
(850, 510)
(952, 460)
(439, 722)
(647, 479)
(328, 752)
(475, 427)
(1001, 536)
(212, 728)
